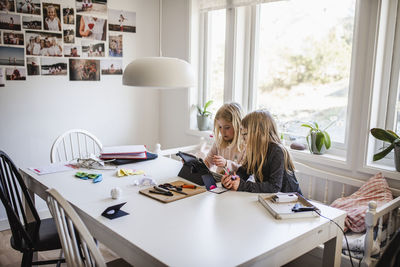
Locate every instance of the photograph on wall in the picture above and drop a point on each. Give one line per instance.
(31, 22)
(10, 22)
(92, 49)
(12, 56)
(68, 15)
(121, 21)
(2, 79)
(28, 6)
(97, 8)
(51, 17)
(91, 28)
(53, 66)
(15, 74)
(69, 36)
(13, 38)
(84, 70)
(33, 66)
(44, 44)
(115, 45)
(72, 51)
(8, 6)
(111, 66)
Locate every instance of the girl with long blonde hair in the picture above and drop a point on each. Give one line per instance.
(267, 166)
(227, 151)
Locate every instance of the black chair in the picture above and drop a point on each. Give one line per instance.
(27, 237)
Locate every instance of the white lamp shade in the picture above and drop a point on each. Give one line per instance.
(159, 72)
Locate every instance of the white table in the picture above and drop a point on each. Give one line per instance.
(207, 229)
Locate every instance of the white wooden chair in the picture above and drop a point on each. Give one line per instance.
(73, 144)
(77, 243)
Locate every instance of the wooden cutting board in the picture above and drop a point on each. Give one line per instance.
(176, 196)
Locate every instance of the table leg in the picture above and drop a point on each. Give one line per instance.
(333, 251)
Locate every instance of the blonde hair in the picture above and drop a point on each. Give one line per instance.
(232, 113)
(261, 131)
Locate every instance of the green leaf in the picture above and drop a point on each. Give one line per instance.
(395, 134)
(383, 153)
(383, 135)
(207, 104)
(308, 125)
(316, 125)
(319, 140)
(327, 139)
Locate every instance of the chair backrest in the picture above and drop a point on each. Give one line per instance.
(77, 243)
(12, 188)
(73, 144)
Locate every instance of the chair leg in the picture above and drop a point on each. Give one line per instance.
(27, 259)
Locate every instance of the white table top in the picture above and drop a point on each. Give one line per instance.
(203, 230)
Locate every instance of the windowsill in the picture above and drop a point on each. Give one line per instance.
(205, 134)
(329, 159)
(387, 171)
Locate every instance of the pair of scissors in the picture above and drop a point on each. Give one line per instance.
(171, 187)
(161, 191)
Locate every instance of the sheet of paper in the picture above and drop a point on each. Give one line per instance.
(52, 168)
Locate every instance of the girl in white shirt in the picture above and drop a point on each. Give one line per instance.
(227, 151)
(52, 22)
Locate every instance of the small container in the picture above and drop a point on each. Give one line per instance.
(116, 193)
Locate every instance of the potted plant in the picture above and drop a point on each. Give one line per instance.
(394, 140)
(318, 140)
(204, 116)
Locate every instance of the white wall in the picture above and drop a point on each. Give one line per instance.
(34, 112)
(174, 104)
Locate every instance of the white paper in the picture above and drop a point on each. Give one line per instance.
(123, 149)
(52, 168)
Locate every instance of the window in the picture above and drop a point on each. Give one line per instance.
(331, 61)
(216, 65)
(304, 62)
(397, 121)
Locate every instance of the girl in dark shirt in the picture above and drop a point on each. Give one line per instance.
(267, 166)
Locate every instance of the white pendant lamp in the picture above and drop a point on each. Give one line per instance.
(159, 72)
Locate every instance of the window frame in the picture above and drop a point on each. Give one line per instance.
(355, 153)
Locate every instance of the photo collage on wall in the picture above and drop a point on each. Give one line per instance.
(44, 38)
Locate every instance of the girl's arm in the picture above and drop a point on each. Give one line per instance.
(82, 31)
(46, 27)
(209, 159)
(273, 172)
(59, 24)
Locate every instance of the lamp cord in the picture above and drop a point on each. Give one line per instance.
(344, 234)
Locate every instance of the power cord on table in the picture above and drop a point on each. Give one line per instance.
(344, 234)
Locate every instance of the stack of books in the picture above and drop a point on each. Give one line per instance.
(124, 152)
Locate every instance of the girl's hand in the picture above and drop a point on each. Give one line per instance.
(228, 183)
(219, 161)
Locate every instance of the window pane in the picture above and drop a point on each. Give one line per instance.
(397, 120)
(217, 57)
(304, 62)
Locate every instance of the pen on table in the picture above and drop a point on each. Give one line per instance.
(191, 186)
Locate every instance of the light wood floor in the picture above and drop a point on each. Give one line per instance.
(12, 258)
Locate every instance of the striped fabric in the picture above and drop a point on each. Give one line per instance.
(356, 205)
